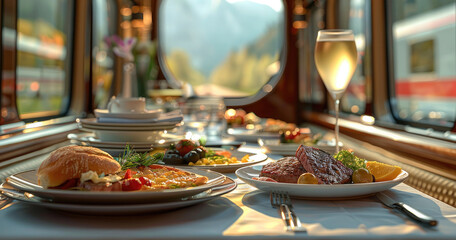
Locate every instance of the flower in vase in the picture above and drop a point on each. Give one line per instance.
(121, 47)
(141, 54)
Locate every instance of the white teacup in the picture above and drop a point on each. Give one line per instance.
(127, 105)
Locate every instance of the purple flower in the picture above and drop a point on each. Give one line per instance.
(121, 47)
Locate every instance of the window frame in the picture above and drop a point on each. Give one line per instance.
(68, 73)
(17, 137)
(230, 101)
(11, 7)
(391, 80)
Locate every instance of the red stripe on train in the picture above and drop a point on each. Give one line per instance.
(436, 88)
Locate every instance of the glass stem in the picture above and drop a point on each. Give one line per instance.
(336, 130)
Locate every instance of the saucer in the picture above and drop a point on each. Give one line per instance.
(104, 113)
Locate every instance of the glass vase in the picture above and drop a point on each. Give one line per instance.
(129, 81)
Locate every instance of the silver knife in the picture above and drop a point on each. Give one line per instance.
(408, 210)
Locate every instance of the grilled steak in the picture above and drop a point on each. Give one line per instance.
(327, 169)
(285, 170)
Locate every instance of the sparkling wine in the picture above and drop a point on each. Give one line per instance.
(335, 58)
(336, 62)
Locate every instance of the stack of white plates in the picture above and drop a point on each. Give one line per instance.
(146, 127)
(118, 148)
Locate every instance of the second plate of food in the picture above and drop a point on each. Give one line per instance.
(242, 159)
(317, 191)
(224, 161)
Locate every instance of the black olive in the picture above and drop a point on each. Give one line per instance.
(191, 156)
(200, 152)
(173, 159)
(172, 151)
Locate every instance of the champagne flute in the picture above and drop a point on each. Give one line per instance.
(335, 58)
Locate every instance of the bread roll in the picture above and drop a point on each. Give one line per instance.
(70, 162)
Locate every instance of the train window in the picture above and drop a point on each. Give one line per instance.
(311, 90)
(229, 48)
(358, 20)
(104, 24)
(44, 46)
(423, 82)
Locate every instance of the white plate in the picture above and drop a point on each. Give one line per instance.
(130, 129)
(92, 123)
(127, 136)
(143, 115)
(317, 191)
(27, 181)
(126, 209)
(254, 158)
(242, 134)
(89, 139)
(86, 123)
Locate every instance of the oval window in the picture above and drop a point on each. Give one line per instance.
(228, 48)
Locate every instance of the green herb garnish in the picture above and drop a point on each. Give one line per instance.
(130, 158)
(210, 153)
(350, 160)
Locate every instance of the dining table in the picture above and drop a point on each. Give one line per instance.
(244, 213)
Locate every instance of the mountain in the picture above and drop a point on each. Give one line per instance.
(210, 31)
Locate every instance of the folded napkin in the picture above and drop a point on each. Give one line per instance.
(171, 117)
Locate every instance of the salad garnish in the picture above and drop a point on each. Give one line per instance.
(350, 160)
(130, 158)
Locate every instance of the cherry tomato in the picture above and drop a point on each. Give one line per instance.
(131, 184)
(226, 154)
(128, 174)
(292, 135)
(145, 181)
(184, 146)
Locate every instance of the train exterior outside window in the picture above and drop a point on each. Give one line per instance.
(423, 84)
(44, 50)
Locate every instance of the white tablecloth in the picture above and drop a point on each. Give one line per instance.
(242, 214)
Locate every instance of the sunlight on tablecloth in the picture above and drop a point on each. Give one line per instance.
(357, 218)
(252, 221)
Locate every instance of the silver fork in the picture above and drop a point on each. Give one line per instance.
(6, 200)
(284, 211)
(283, 201)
